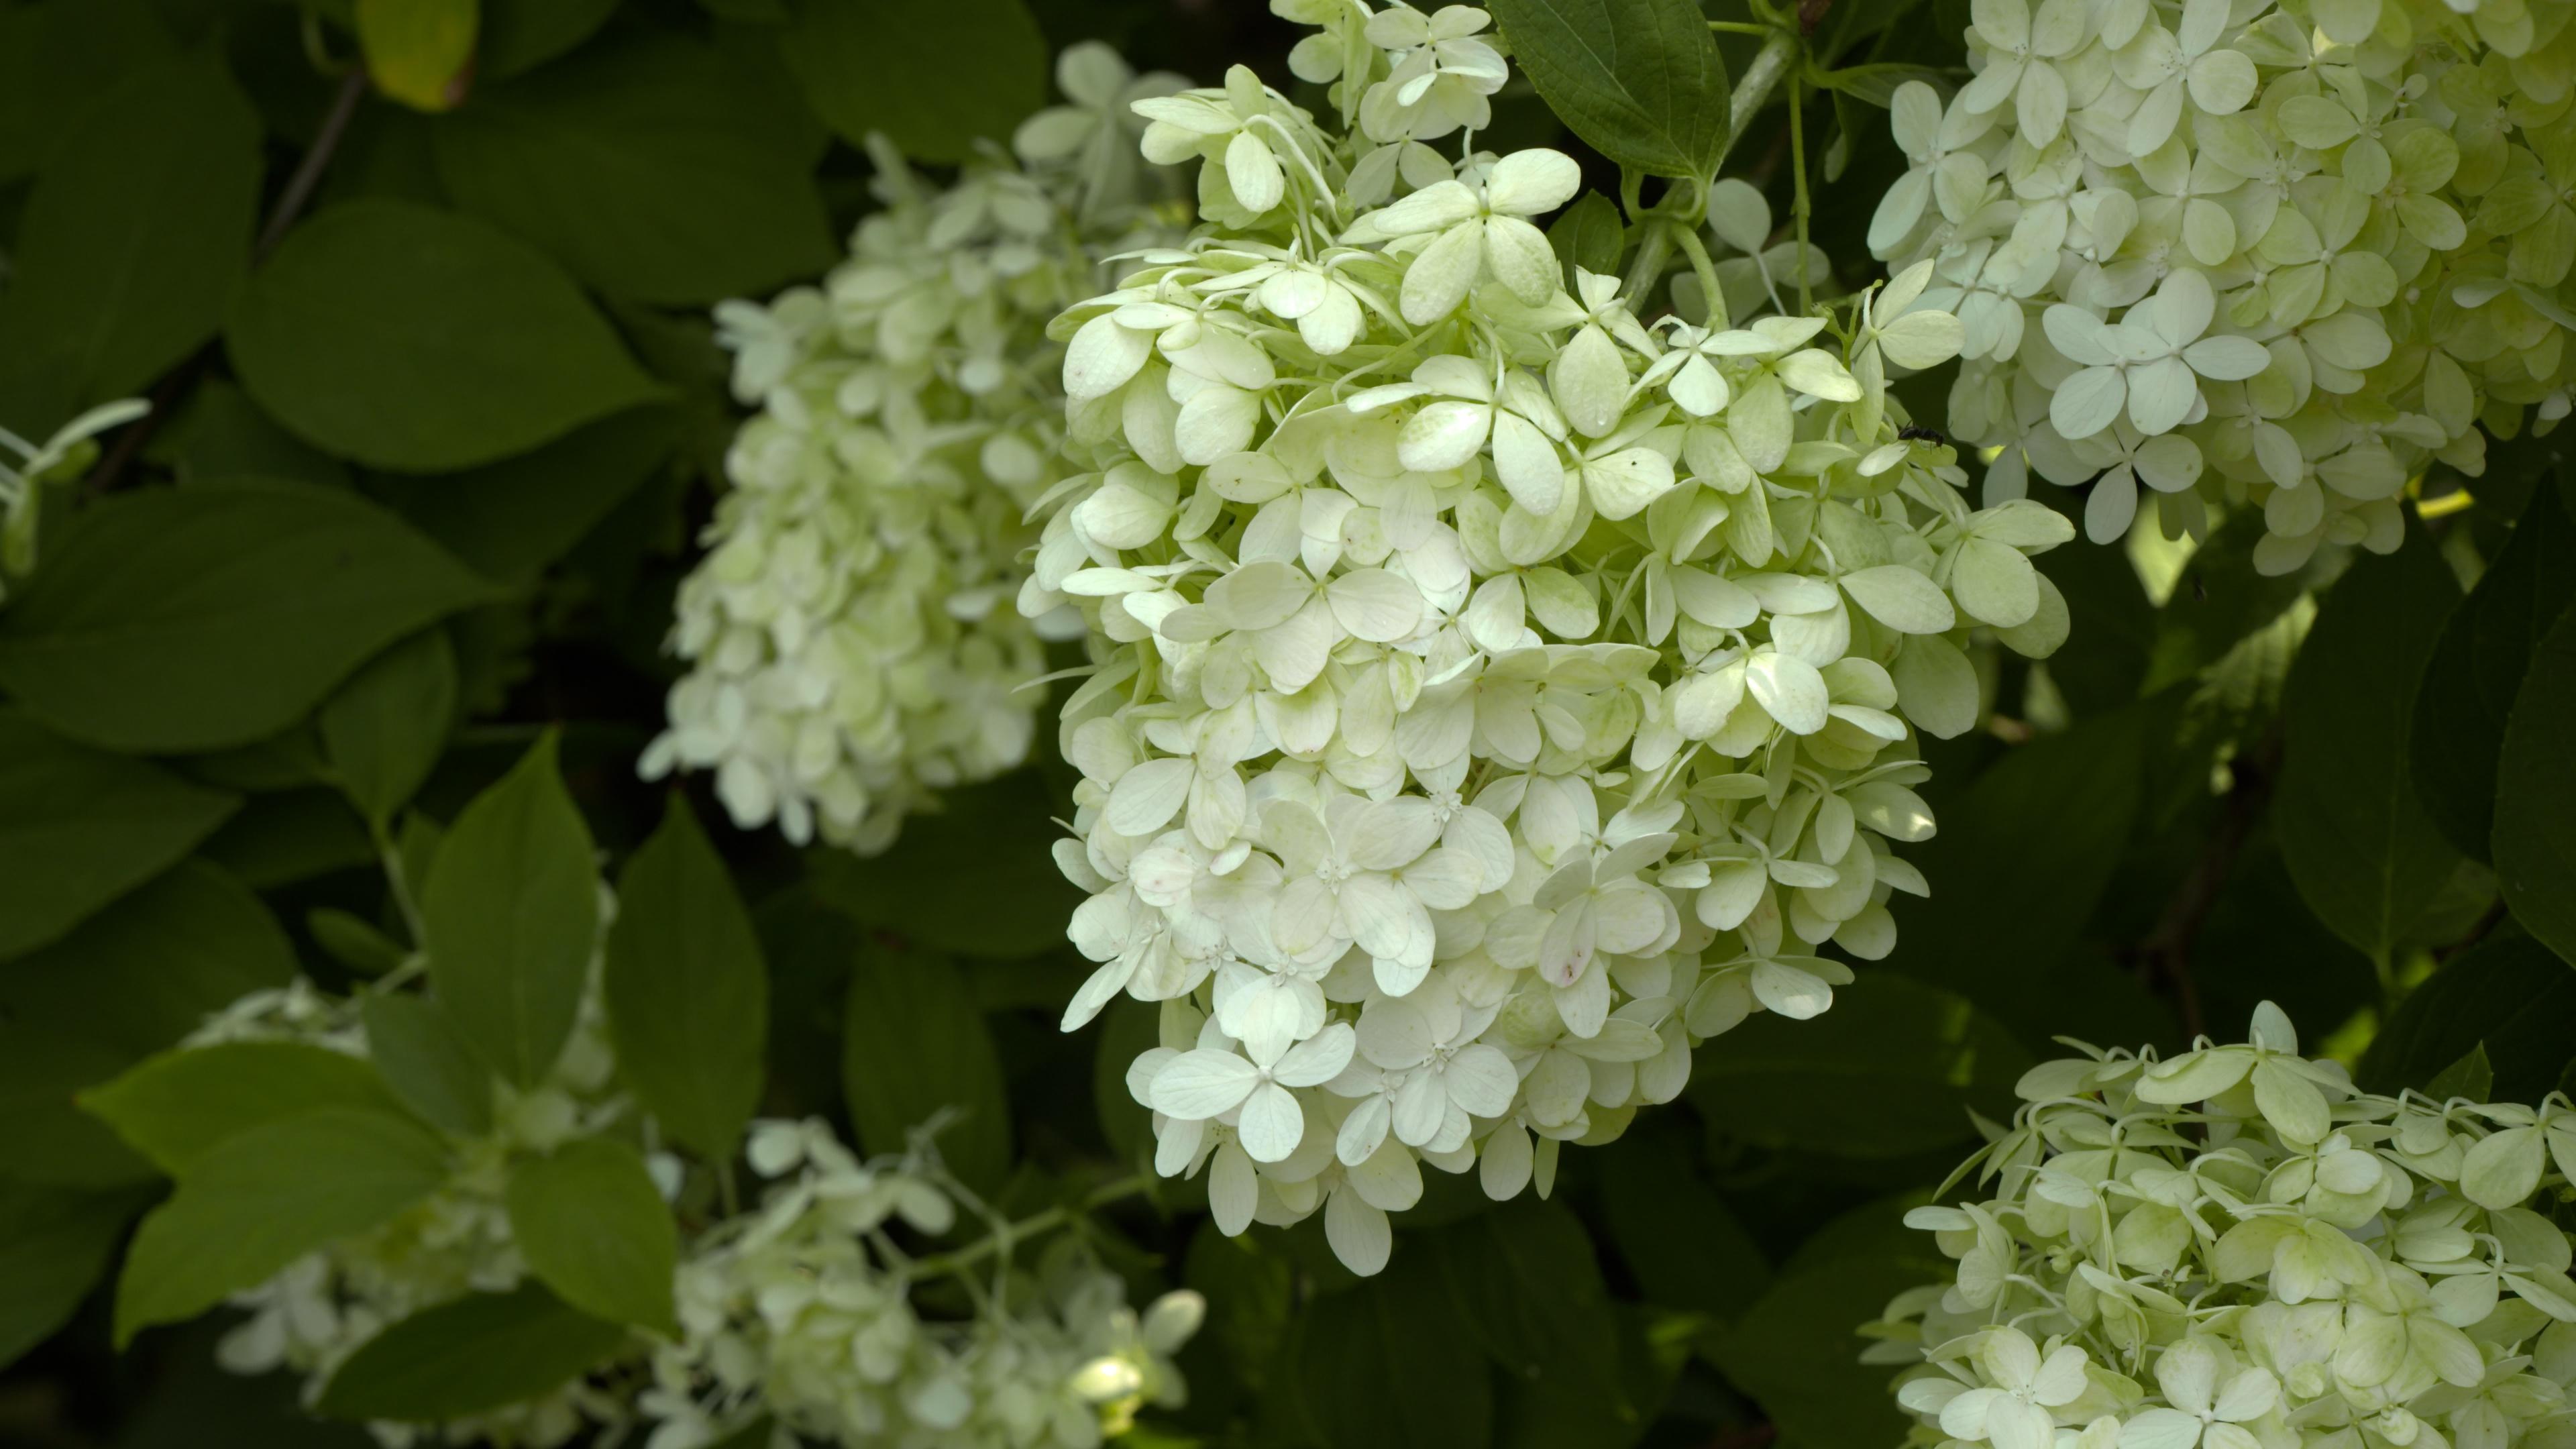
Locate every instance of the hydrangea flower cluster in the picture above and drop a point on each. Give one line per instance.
(802, 1311)
(1496, 696)
(2279, 254)
(851, 640)
(323, 1307)
(2237, 1249)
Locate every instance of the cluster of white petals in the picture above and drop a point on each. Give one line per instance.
(1495, 696)
(852, 644)
(327, 1305)
(2283, 255)
(802, 1312)
(2236, 1249)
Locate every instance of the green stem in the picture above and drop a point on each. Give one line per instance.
(1706, 270)
(1799, 204)
(389, 855)
(939, 1265)
(1752, 92)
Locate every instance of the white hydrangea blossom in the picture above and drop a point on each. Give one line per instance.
(2279, 254)
(2236, 1249)
(852, 644)
(802, 1311)
(1497, 697)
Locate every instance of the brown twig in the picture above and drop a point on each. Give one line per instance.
(175, 384)
(2164, 957)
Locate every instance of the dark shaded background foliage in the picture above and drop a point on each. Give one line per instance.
(490, 325)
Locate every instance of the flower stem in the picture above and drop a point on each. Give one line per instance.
(940, 1265)
(1799, 205)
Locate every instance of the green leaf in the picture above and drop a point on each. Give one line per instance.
(420, 52)
(914, 1046)
(1891, 1071)
(512, 518)
(1684, 1246)
(1639, 80)
(989, 842)
(2535, 816)
(427, 1061)
(512, 912)
(290, 836)
(353, 941)
(265, 1197)
(178, 1107)
(687, 990)
(2472, 1076)
(134, 240)
(893, 66)
(1127, 1029)
(1527, 1285)
(2016, 871)
(419, 341)
(56, 59)
(1589, 234)
(2508, 998)
(650, 166)
(195, 618)
(520, 35)
(1392, 1364)
(221, 433)
(596, 1231)
(1250, 1288)
(79, 827)
(2218, 599)
(54, 1245)
(468, 1356)
(127, 983)
(2477, 668)
(2365, 856)
(1796, 1351)
(384, 728)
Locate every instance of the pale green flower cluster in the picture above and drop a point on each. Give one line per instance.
(852, 642)
(802, 1311)
(326, 1305)
(2238, 1250)
(1496, 696)
(58, 459)
(2280, 254)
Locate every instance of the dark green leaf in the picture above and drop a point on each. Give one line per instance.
(2535, 816)
(1639, 80)
(140, 977)
(1798, 1352)
(519, 35)
(267, 1196)
(1250, 1289)
(288, 836)
(384, 727)
(54, 1245)
(512, 912)
(2219, 598)
(2477, 668)
(1589, 234)
(687, 990)
(475, 1354)
(422, 342)
(134, 240)
(892, 66)
(56, 59)
(513, 518)
(914, 1047)
(595, 1230)
(2015, 872)
(649, 166)
(1127, 1029)
(989, 842)
(2365, 856)
(1891, 1071)
(353, 942)
(44, 1138)
(177, 1107)
(2472, 1076)
(78, 828)
(2509, 998)
(195, 618)
(427, 1061)
(221, 433)
(1392, 1364)
(1682, 1243)
(1528, 1288)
